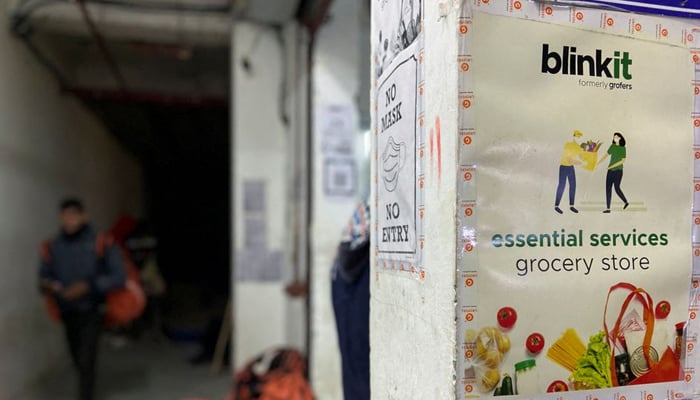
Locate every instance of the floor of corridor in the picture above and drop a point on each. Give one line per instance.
(141, 371)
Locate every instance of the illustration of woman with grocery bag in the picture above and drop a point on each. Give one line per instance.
(618, 154)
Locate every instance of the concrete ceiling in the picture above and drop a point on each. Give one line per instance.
(170, 48)
(145, 55)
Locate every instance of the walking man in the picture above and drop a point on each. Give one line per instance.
(567, 173)
(77, 278)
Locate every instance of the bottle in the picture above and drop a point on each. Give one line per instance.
(526, 378)
(622, 369)
(680, 327)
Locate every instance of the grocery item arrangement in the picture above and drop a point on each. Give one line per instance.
(589, 153)
(627, 350)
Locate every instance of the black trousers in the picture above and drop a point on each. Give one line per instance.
(83, 333)
(351, 306)
(613, 179)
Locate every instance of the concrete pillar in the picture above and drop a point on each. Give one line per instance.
(267, 124)
(412, 312)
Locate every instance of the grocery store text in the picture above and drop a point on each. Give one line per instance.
(527, 266)
(613, 261)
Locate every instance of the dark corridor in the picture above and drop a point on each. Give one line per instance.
(185, 153)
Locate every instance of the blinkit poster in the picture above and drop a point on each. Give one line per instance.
(576, 277)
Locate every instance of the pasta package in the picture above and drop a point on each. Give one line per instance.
(567, 350)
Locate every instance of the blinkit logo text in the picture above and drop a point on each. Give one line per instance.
(598, 65)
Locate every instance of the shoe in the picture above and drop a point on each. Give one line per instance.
(557, 209)
(573, 210)
(626, 205)
(606, 212)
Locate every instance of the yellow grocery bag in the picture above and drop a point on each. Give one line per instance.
(590, 159)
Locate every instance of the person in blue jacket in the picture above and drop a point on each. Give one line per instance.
(79, 280)
(350, 289)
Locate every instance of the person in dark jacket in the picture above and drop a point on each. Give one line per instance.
(351, 304)
(79, 280)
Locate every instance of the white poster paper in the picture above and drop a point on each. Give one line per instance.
(583, 174)
(398, 135)
(397, 25)
(396, 144)
(338, 130)
(255, 262)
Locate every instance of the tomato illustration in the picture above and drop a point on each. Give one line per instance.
(506, 317)
(535, 343)
(557, 386)
(663, 309)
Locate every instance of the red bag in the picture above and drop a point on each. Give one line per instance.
(667, 369)
(49, 301)
(282, 379)
(128, 303)
(123, 305)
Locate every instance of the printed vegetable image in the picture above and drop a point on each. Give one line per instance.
(663, 309)
(489, 380)
(535, 343)
(591, 146)
(557, 386)
(506, 388)
(567, 350)
(593, 368)
(490, 346)
(506, 317)
(503, 343)
(487, 347)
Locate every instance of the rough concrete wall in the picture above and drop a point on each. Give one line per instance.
(50, 147)
(336, 82)
(412, 325)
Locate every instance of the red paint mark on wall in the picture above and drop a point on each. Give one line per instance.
(439, 147)
(432, 135)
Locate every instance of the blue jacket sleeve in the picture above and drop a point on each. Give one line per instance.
(114, 274)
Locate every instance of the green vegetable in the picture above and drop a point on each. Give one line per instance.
(507, 386)
(593, 368)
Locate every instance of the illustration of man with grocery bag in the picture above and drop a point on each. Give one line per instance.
(617, 153)
(571, 157)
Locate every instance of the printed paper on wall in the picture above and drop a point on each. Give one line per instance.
(582, 168)
(398, 135)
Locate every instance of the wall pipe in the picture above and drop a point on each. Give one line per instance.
(26, 8)
(312, 23)
(24, 33)
(106, 54)
(148, 98)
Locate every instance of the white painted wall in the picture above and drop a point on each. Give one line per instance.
(412, 325)
(50, 147)
(264, 149)
(264, 317)
(336, 80)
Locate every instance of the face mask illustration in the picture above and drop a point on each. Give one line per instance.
(393, 160)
